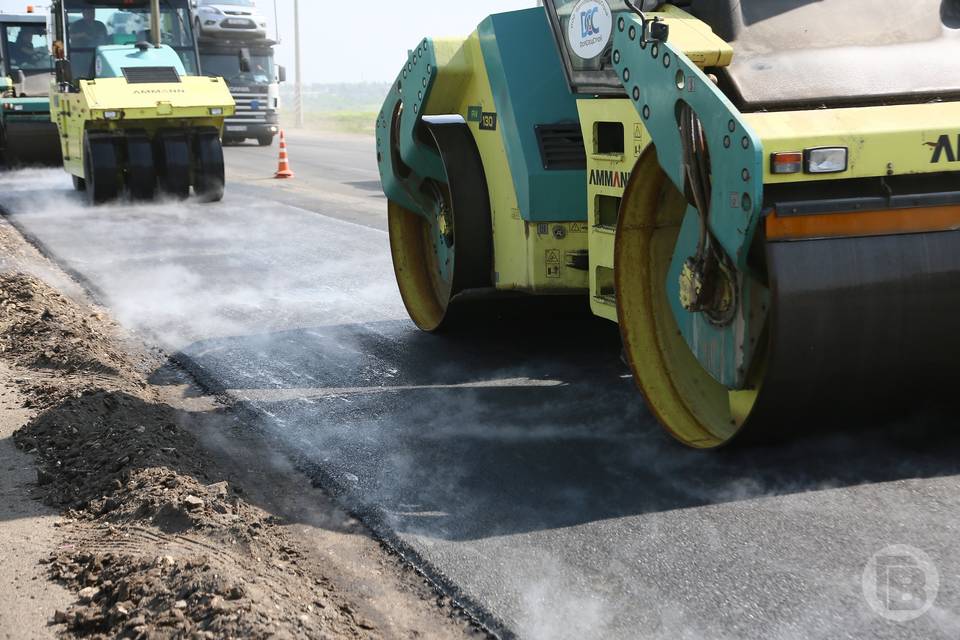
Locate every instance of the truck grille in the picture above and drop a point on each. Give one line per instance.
(251, 108)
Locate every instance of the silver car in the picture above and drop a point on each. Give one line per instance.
(228, 18)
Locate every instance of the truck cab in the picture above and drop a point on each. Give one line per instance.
(249, 71)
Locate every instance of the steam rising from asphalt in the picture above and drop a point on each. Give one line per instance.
(185, 271)
(519, 463)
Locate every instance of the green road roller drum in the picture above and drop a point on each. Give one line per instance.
(766, 201)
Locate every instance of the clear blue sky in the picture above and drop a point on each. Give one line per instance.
(363, 39)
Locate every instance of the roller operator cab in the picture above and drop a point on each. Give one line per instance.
(763, 194)
(27, 136)
(134, 114)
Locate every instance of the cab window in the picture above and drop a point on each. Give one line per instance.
(583, 30)
(26, 47)
(89, 28)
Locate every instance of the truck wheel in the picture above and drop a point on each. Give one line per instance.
(208, 160)
(101, 172)
(173, 163)
(265, 141)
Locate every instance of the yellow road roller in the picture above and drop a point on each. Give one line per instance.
(763, 194)
(134, 115)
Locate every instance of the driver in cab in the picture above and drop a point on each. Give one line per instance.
(23, 53)
(88, 31)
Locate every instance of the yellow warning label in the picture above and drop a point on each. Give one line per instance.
(638, 131)
(553, 256)
(578, 227)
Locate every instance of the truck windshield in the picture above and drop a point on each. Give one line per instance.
(92, 24)
(227, 66)
(26, 48)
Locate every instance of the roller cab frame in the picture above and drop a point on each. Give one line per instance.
(135, 118)
(768, 206)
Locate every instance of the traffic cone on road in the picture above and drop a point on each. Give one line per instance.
(283, 171)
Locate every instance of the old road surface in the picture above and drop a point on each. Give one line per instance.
(513, 462)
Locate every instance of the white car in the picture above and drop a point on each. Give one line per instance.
(228, 18)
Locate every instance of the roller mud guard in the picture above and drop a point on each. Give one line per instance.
(439, 208)
(31, 143)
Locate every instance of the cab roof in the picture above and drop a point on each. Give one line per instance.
(22, 18)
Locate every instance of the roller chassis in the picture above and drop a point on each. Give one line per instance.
(142, 125)
(811, 285)
(157, 147)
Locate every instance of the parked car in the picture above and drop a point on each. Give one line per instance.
(228, 18)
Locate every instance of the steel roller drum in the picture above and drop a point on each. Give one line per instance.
(863, 327)
(32, 144)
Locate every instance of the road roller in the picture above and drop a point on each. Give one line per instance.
(763, 194)
(135, 117)
(27, 135)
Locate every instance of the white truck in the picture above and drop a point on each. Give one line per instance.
(254, 80)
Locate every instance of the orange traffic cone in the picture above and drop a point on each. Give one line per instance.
(283, 171)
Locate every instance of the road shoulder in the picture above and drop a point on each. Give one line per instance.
(134, 503)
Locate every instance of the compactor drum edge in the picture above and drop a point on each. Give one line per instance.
(769, 207)
(135, 118)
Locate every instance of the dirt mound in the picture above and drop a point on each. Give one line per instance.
(136, 596)
(165, 597)
(89, 446)
(159, 540)
(40, 328)
(126, 466)
(115, 458)
(161, 545)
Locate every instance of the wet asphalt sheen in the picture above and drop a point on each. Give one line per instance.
(512, 459)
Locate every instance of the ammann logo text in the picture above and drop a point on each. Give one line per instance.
(146, 91)
(606, 178)
(944, 149)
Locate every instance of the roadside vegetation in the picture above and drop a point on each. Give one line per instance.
(344, 108)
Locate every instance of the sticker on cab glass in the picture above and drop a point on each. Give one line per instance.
(590, 28)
